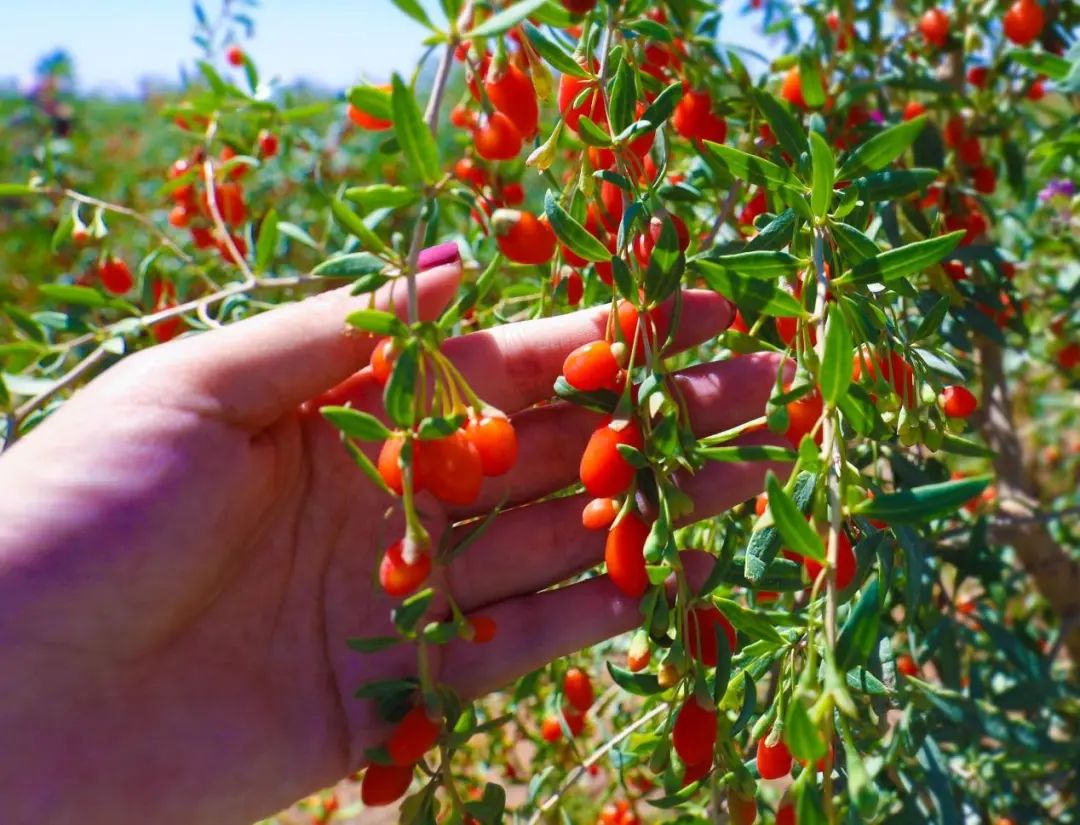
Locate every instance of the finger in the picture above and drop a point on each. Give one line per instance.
(514, 366)
(530, 548)
(258, 369)
(538, 628)
(718, 396)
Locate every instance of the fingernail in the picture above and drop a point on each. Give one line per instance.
(731, 309)
(433, 256)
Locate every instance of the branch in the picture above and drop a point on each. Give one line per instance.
(1056, 575)
(592, 759)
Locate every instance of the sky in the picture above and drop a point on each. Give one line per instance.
(116, 42)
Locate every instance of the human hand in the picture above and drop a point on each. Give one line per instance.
(185, 546)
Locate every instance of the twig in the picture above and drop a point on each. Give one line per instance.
(215, 215)
(723, 215)
(592, 759)
(69, 378)
(127, 211)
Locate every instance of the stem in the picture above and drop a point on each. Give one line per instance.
(592, 759)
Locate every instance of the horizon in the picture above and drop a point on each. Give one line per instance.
(325, 43)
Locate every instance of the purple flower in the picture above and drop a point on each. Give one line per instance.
(1059, 186)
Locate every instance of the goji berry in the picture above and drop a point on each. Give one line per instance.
(694, 733)
(413, 736)
(773, 762)
(398, 577)
(494, 438)
(624, 554)
(958, 402)
(701, 625)
(599, 514)
(591, 367)
(385, 784)
(603, 470)
(578, 689)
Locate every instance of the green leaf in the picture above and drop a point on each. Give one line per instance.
(356, 424)
(813, 88)
(902, 261)
(267, 242)
(723, 667)
(824, 167)
(747, 621)
(353, 265)
(748, 452)
(553, 53)
(412, 133)
(412, 610)
(792, 524)
(354, 224)
(864, 681)
(765, 541)
(293, 231)
(920, 504)
(750, 294)
(962, 446)
(378, 322)
(837, 363)
(801, 734)
(71, 294)
(663, 104)
(572, 233)
(400, 393)
(776, 234)
(505, 19)
(623, 99)
(364, 463)
(748, 167)
(1054, 67)
(16, 190)
(895, 183)
(882, 149)
(382, 196)
(372, 101)
(591, 134)
(373, 644)
(854, 245)
(639, 684)
(414, 10)
(859, 635)
(768, 265)
(789, 132)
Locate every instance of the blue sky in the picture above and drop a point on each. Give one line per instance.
(335, 42)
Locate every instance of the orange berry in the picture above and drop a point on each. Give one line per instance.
(413, 736)
(385, 784)
(701, 625)
(399, 578)
(483, 628)
(694, 733)
(624, 553)
(494, 438)
(591, 367)
(599, 514)
(578, 689)
(603, 470)
(774, 762)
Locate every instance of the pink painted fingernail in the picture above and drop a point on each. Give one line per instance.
(433, 256)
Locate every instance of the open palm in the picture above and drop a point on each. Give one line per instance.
(185, 546)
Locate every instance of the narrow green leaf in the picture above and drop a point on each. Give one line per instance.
(572, 233)
(412, 133)
(765, 541)
(750, 622)
(378, 322)
(382, 196)
(776, 234)
(553, 53)
(882, 149)
(623, 97)
(591, 134)
(824, 167)
(639, 684)
(409, 613)
(793, 526)
(354, 265)
(802, 736)
(372, 101)
(895, 183)
(903, 260)
(365, 465)
(748, 452)
(354, 224)
(505, 19)
(16, 190)
(723, 668)
(414, 10)
(767, 265)
(836, 365)
(748, 167)
(71, 294)
(859, 635)
(663, 104)
(751, 294)
(1054, 67)
(920, 504)
(810, 80)
(400, 393)
(373, 644)
(854, 244)
(789, 132)
(267, 242)
(356, 424)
